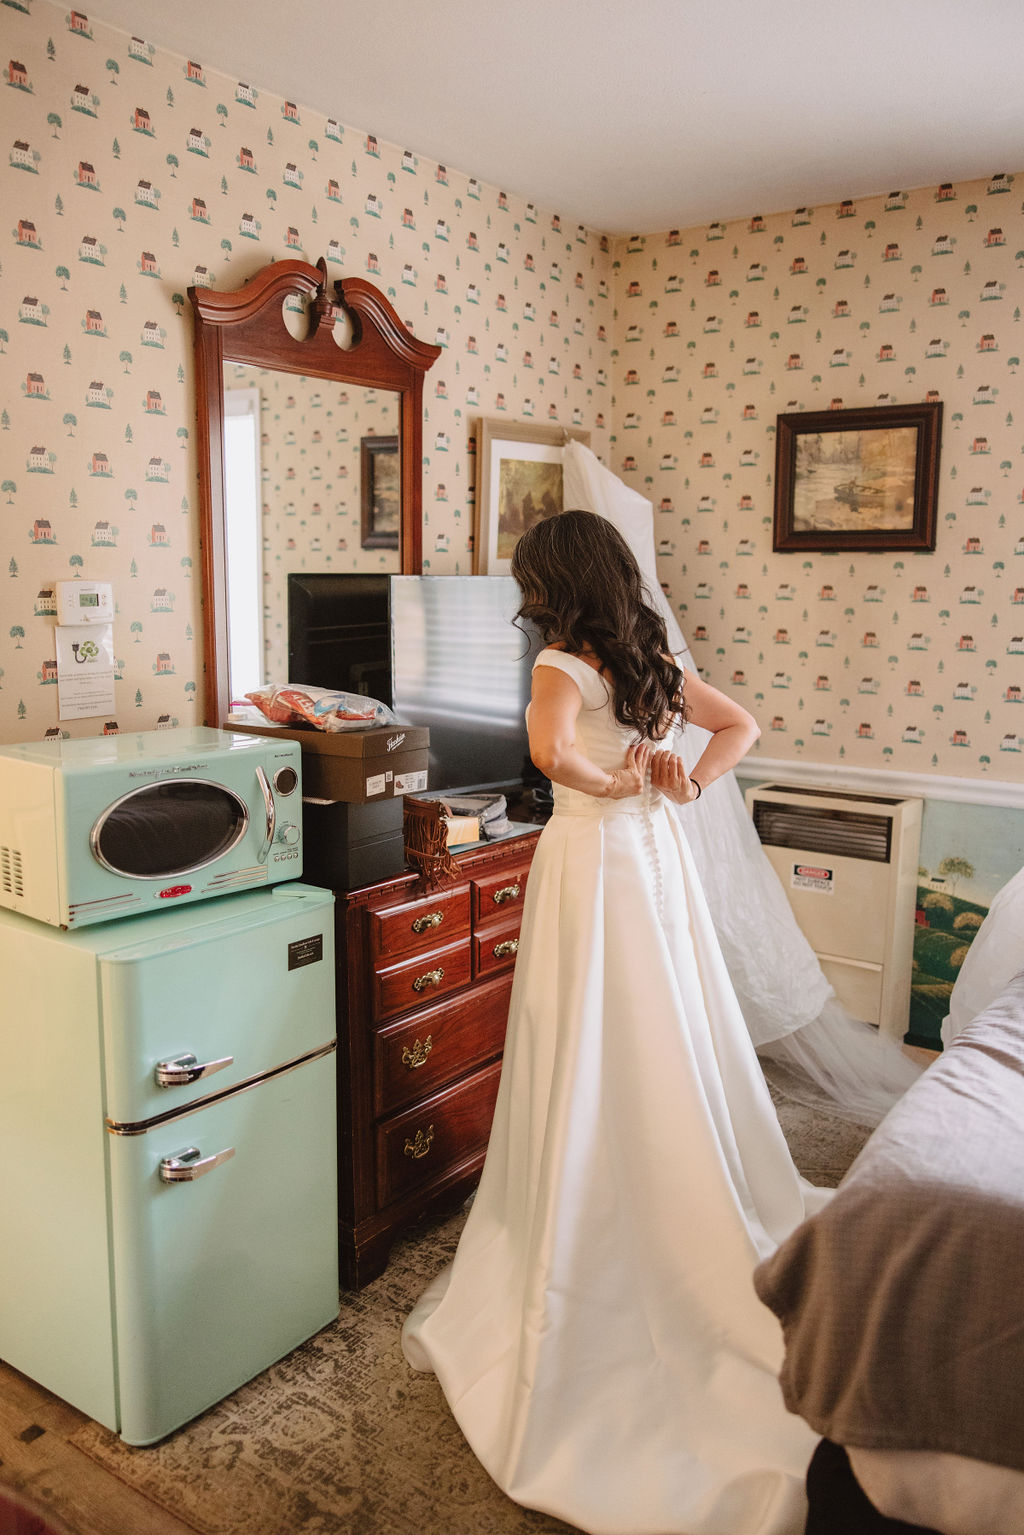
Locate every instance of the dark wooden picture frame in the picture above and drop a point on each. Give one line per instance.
(862, 479)
(379, 492)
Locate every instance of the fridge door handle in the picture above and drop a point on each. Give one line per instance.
(188, 1165)
(271, 808)
(182, 1069)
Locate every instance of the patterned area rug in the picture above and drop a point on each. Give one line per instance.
(341, 1436)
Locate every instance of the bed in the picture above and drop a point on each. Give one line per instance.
(901, 1303)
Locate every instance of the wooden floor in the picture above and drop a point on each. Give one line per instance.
(40, 1464)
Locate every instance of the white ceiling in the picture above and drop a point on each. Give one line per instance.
(637, 117)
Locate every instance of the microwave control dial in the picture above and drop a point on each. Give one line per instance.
(289, 834)
(285, 780)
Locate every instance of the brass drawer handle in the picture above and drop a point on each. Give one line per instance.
(430, 978)
(433, 919)
(415, 1054)
(507, 893)
(509, 946)
(421, 1145)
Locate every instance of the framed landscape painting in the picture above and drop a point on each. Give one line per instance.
(518, 482)
(379, 492)
(857, 479)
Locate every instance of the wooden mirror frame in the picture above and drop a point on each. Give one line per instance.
(247, 326)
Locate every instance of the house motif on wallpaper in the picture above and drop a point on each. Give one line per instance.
(42, 532)
(104, 535)
(163, 665)
(92, 323)
(90, 249)
(152, 334)
(141, 51)
(158, 536)
(46, 602)
(914, 689)
(26, 234)
(31, 311)
(23, 157)
(48, 672)
(85, 175)
(34, 386)
(99, 464)
(40, 461)
(1011, 743)
(82, 100)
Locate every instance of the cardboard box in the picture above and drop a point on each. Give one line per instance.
(358, 766)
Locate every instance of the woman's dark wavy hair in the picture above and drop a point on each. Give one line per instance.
(583, 589)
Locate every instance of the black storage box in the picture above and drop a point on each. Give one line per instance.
(348, 845)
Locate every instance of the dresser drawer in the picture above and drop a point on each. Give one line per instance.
(419, 1055)
(419, 924)
(424, 1142)
(495, 946)
(495, 894)
(418, 981)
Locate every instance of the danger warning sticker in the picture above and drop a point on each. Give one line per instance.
(809, 876)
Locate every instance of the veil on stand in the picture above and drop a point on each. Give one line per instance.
(828, 1059)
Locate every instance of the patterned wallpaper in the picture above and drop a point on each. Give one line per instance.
(131, 173)
(913, 661)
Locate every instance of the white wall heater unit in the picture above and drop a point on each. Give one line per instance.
(848, 863)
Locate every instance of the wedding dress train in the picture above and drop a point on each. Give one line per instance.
(597, 1336)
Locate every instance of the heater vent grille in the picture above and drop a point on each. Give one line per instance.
(813, 829)
(11, 881)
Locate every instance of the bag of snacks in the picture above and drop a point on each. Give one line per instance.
(297, 703)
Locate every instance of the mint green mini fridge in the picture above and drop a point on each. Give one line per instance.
(168, 1213)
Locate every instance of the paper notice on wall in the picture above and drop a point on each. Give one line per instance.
(85, 670)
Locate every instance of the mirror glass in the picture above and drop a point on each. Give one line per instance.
(312, 483)
(309, 397)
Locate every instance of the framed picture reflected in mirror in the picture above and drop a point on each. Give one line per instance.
(379, 492)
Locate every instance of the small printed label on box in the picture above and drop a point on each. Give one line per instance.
(376, 785)
(808, 876)
(410, 783)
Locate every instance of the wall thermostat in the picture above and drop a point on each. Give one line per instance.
(85, 602)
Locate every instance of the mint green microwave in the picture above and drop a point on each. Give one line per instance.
(109, 826)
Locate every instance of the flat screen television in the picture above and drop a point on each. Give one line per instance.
(441, 650)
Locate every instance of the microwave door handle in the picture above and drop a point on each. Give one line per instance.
(271, 808)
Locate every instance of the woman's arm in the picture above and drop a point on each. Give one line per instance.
(554, 708)
(733, 733)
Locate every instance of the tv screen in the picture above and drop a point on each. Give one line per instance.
(462, 668)
(441, 650)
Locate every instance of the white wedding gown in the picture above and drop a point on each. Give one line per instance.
(597, 1336)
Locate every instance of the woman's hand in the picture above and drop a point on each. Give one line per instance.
(631, 778)
(668, 773)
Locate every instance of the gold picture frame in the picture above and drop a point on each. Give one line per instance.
(518, 482)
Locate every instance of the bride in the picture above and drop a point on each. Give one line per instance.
(597, 1336)
(830, 1059)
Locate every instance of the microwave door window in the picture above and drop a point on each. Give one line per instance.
(169, 828)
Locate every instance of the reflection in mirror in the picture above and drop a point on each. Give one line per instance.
(295, 501)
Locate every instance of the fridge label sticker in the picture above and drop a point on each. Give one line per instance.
(410, 783)
(305, 951)
(376, 785)
(808, 876)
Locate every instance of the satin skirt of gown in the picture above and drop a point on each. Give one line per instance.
(597, 1335)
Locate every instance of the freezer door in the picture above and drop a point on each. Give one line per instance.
(217, 1276)
(218, 997)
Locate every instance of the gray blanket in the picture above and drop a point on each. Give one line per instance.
(902, 1301)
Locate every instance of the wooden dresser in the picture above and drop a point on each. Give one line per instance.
(423, 989)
